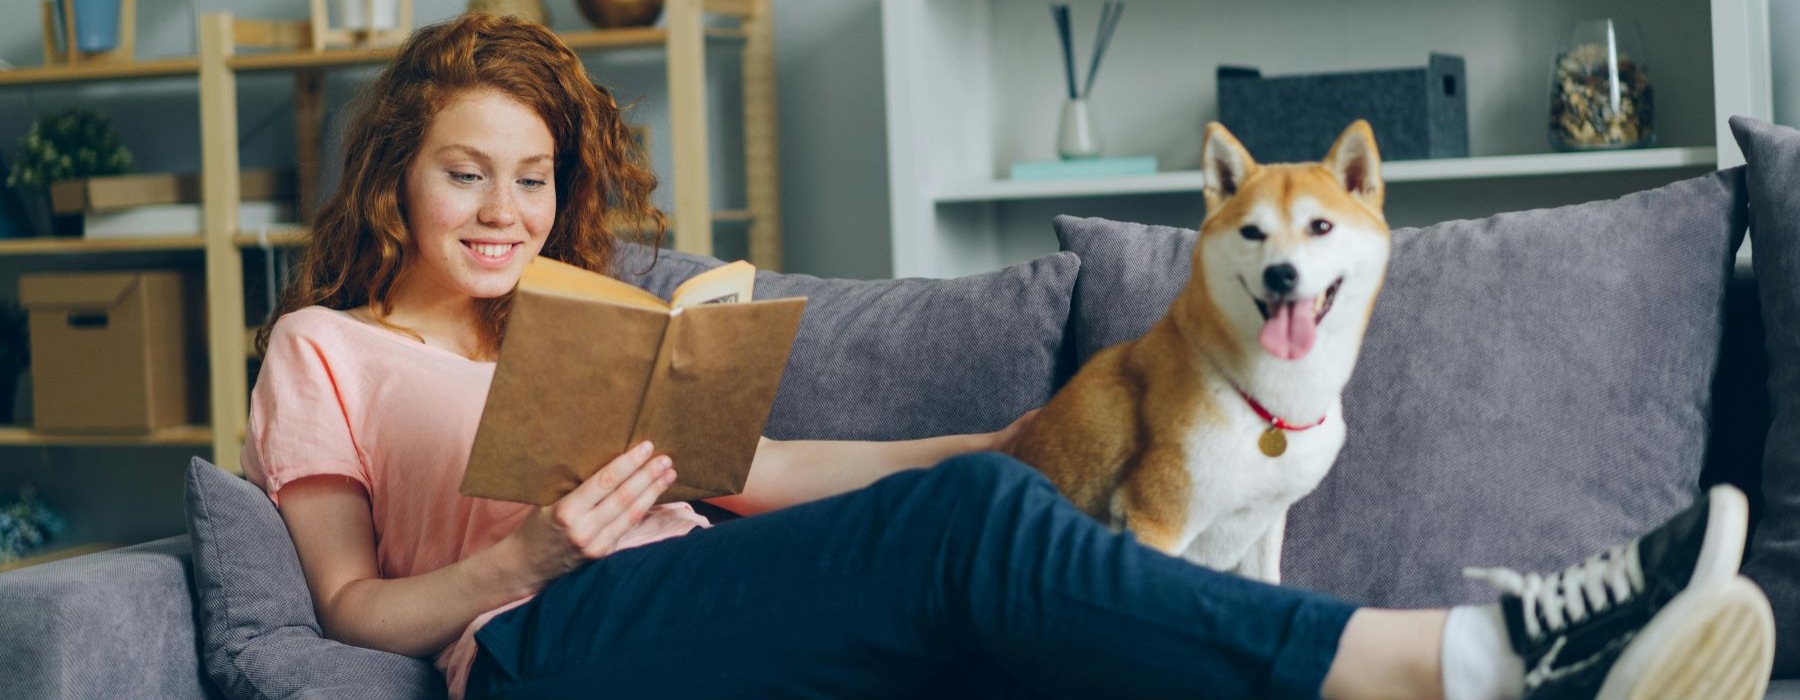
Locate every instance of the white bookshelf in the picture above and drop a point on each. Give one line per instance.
(974, 85)
(1393, 171)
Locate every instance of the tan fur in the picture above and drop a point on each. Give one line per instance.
(1114, 439)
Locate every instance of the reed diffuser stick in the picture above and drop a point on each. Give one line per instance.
(1109, 20)
(1060, 12)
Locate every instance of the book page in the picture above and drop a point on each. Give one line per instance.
(548, 276)
(725, 284)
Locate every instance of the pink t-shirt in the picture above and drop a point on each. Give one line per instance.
(338, 396)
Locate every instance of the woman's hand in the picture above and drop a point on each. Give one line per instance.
(1003, 440)
(587, 523)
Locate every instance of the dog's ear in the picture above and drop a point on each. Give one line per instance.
(1225, 164)
(1356, 164)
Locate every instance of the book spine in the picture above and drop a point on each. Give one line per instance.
(651, 403)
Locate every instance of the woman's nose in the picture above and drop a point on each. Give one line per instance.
(499, 209)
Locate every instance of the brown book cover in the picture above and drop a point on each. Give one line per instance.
(591, 365)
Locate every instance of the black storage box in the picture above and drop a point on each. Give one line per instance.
(1416, 112)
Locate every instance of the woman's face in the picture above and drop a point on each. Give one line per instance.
(479, 197)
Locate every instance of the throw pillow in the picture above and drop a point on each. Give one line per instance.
(1533, 387)
(1773, 560)
(259, 637)
(906, 358)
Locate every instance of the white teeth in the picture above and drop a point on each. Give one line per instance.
(492, 250)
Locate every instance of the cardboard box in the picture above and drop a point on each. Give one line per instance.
(114, 192)
(1417, 113)
(108, 351)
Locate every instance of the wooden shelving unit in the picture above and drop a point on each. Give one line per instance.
(86, 72)
(52, 245)
(684, 40)
(192, 435)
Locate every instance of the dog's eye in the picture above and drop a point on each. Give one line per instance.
(1252, 233)
(1320, 227)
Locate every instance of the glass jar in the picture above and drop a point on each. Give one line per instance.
(1600, 96)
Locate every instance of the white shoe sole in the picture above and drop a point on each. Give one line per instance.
(1727, 526)
(1711, 642)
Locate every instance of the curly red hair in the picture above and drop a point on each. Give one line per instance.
(359, 243)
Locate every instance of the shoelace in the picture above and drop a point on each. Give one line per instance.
(1569, 596)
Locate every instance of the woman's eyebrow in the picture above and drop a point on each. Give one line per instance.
(477, 154)
(469, 151)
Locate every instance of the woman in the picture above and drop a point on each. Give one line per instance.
(484, 144)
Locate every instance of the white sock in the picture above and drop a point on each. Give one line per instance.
(1478, 660)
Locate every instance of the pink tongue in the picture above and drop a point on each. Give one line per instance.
(1289, 332)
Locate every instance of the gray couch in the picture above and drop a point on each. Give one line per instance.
(929, 357)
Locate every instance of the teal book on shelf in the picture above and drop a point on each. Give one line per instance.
(1092, 167)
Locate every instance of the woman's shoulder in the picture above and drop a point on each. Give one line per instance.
(313, 325)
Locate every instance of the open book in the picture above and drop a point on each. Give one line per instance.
(591, 365)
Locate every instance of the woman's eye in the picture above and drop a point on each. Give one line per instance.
(465, 178)
(1252, 233)
(533, 185)
(1320, 227)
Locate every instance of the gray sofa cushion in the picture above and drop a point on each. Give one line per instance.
(907, 358)
(1532, 387)
(258, 634)
(115, 624)
(1773, 153)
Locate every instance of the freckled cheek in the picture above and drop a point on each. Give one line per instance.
(540, 217)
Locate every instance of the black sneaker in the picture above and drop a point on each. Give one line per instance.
(1666, 616)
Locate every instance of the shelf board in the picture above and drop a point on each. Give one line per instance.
(55, 553)
(284, 237)
(592, 39)
(53, 74)
(289, 60)
(192, 435)
(46, 245)
(1393, 171)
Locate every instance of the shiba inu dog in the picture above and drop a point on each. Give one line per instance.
(1198, 436)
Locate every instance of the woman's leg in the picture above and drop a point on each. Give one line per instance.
(875, 593)
(1388, 654)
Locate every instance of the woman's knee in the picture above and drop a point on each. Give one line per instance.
(978, 484)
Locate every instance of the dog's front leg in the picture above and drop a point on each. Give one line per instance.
(1263, 561)
(1153, 500)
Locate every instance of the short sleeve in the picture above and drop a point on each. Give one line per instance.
(299, 422)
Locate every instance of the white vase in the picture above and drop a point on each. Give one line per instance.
(354, 14)
(1078, 136)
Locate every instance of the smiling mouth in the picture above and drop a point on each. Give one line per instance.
(490, 250)
(1321, 303)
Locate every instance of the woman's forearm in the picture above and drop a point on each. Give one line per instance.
(420, 615)
(785, 473)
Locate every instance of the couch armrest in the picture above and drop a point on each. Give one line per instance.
(97, 625)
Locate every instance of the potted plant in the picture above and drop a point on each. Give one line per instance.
(15, 356)
(26, 525)
(78, 142)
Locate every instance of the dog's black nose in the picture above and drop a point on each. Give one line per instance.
(1280, 279)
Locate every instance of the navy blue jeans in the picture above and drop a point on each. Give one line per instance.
(974, 578)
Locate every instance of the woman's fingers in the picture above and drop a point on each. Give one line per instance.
(608, 479)
(613, 529)
(616, 505)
